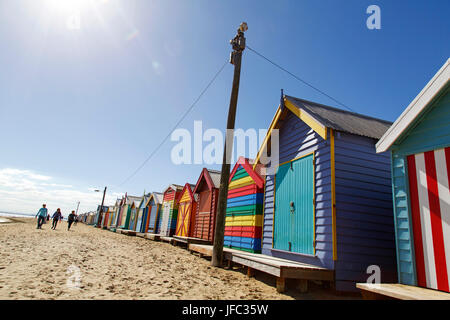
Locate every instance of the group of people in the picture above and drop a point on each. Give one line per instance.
(42, 215)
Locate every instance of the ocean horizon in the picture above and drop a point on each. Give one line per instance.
(16, 214)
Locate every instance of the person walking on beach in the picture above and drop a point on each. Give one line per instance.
(56, 217)
(42, 214)
(70, 219)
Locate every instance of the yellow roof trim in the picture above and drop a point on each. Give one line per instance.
(319, 128)
(266, 139)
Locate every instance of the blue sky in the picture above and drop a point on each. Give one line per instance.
(83, 108)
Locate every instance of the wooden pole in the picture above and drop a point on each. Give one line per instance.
(238, 44)
(99, 219)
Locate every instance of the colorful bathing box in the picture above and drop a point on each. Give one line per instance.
(327, 201)
(207, 188)
(243, 222)
(168, 221)
(419, 141)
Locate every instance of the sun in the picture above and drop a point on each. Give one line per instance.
(67, 6)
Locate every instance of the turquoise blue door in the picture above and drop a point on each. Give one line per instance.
(294, 206)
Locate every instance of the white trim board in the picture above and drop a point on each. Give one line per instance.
(415, 108)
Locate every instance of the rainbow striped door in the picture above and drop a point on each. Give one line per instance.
(429, 176)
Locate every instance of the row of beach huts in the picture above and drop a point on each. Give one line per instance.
(354, 198)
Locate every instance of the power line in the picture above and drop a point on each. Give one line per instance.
(299, 79)
(177, 124)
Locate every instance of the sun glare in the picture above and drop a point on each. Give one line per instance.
(68, 6)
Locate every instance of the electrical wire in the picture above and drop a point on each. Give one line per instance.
(299, 79)
(177, 124)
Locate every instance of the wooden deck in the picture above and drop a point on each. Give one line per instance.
(280, 268)
(189, 240)
(129, 232)
(166, 239)
(140, 234)
(152, 236)
(373, 291)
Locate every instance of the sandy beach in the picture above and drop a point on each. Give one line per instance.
(89, 263)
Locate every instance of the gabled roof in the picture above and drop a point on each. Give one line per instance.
(175, 187)
(156, 196)
(245, 163)
(131, 199)
(212, 178)
(320, 118)
(429, 93)
(144, 200)
(189, 188)
(341, 120)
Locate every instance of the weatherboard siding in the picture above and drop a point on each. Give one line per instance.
(430, 131)
(364, 224)
(296, 139)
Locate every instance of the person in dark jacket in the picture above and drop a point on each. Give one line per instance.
(70, 219)
(56, 217)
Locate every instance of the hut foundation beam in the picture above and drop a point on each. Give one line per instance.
(250, 272)
(281, 284)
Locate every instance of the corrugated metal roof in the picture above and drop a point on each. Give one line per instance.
(342, 120)
(158, 197)
(215, 177)
(131, 199)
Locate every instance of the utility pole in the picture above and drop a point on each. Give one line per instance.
(238, 45)
(99, 220)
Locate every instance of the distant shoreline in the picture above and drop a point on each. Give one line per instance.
(15, 215)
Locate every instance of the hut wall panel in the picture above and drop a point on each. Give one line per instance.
(296, 139)
(205, 216)
(364, 225)
(243, 222)
(170, 196)
(430, 132)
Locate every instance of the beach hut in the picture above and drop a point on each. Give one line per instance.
(329, 202)
(105, 219)
(112, 210)
(142, 214)
(187, 206)
(119, 213)
(243, 222)
(168, 220)
(154, 208)
(134, 212)
(113, 215)
(125, 216)
(419, 141)
(207, 188)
